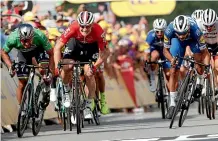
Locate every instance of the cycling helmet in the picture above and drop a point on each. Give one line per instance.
(85, 18)
(181, 24)
(197, 14)
(209, 17)
(26, 31)
(159, 24)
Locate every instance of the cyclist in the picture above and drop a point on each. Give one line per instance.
(155, 40)
(84, 40)
(31, 43)
(209, 27)
(179, 34)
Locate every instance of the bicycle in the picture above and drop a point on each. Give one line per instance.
(186, 91)
(161, 92)
(78, 98)
(33, 108)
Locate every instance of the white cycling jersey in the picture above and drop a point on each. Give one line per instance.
(210, 37)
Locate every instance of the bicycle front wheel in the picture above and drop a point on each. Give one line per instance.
(181, 93)
(37, 119)
(23, 115)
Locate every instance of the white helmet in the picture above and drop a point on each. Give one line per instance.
(181, 24)
(209, 17)
(85, 18)
(159, 24)
(197, 14)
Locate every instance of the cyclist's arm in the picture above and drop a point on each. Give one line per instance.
(48, 48)
(6, 58)
(68, 33)
(10, 43)
(103, 49)
(166, 49)
(149, 41)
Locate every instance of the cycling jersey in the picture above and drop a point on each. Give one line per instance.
(97, 34)
(194, 39)
(153, 41)
(210, 37)
(156, 44)
(39, 41)
(195, 35)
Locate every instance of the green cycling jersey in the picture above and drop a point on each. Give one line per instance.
(39, 40)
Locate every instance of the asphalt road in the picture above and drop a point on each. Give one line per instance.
(130, 127)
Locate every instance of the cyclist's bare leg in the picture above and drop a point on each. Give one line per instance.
(66, 77)
(101, 82)
(90, 82)
(198, 58)
(20, 89)
(167, 74)
(66, 72)
(154, 57)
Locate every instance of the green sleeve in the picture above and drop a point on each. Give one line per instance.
(10, 42)
(44, 40)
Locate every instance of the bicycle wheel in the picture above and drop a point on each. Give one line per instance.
(23, 115)
(199, 106)
(95, 114)
(213, 109)
(181, 93)
(202, 104)
(78, 113)
(184, 113)
(161, 94)
(208, 100)
(36, 124)
(188, 100)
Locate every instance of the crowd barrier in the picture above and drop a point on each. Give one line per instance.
(117, 95)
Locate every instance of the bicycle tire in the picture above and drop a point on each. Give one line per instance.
(180, 99)
(162, 100)
(188, 99)
(208, 100)
(199, 106)
(96, 116)
(213, 109)
(26, 96)
(36, 125)
(78, 114)
(183, 114)
(203, 104)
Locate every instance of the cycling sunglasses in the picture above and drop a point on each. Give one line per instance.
(83, 26)
(158, 32)
(209, 26)
(26, 40)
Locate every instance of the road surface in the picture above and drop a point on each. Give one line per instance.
(130, 127)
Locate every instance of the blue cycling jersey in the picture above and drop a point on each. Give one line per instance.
(153, 41)
(195, 34)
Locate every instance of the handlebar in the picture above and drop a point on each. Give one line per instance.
(77, 63)
(30, 66)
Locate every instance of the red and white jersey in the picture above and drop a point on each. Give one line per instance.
(96, 35)
(210, 37)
